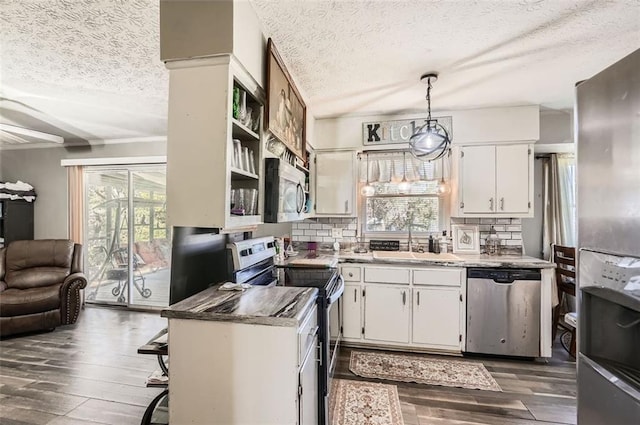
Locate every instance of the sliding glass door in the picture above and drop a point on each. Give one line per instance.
(127, 242)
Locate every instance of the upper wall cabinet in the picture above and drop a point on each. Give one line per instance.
(493, 180)
(214, 150)
(335, 183)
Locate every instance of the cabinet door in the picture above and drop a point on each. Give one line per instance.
(335, 183)
(352, 301)
(386, 313)
(308, 391)
(478, 179)
(512, 179)
(436, 317)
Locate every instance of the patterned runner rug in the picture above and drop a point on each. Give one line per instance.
(364, 403)
(397, 367)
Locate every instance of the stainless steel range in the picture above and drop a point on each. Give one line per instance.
(253, 263)
(331, 287)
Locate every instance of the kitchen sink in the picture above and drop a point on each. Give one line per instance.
(405, 255)
(434, 257)
(401, 255)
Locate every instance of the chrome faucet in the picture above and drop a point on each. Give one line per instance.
(411, 226)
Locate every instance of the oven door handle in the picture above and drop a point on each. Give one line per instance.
(339, 290)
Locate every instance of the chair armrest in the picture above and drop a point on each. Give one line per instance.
(70, 297)
(75, 277)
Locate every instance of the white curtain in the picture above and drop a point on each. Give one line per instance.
(559, 216)
(388, 167)
(75, 180)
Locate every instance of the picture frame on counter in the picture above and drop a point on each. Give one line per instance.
(286, 112)
(466, 239)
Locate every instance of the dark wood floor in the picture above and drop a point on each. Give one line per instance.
(83, 374)
(90, 373)
(534, 393)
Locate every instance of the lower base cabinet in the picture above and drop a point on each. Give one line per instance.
(386, 313)
(352, 311)
(216, 379)
(436, 317)
(427, 313)
(308, 397)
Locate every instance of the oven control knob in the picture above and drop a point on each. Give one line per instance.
(245, 252)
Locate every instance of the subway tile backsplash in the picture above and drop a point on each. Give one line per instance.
(319, 230)
(508, 229)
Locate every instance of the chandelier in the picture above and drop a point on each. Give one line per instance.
(430, 141)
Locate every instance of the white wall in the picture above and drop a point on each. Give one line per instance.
(532, 227)
(488, 125)
(41, 168)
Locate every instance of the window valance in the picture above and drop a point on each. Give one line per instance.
(386, 167)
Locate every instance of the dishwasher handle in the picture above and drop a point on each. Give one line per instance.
(503, 275)
(504, 281)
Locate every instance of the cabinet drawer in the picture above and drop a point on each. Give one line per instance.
(307, 333)
(386, 275)
(351, 274)
(440, 277)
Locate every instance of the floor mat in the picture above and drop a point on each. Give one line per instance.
(364, 403)
(397, 367)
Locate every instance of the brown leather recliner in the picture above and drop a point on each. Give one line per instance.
(40, 284)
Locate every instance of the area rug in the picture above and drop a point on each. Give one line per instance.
(396, 367)
(364, 403)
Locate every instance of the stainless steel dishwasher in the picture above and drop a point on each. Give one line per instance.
(503, 311)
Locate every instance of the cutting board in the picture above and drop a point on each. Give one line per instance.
(316, 263)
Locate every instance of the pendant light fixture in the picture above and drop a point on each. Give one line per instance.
(404, 185)
(430, 141)
(367, 190)
(443, 187)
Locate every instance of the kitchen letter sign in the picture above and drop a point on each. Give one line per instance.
(397, 131)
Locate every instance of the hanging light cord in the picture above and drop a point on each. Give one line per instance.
(428, 99)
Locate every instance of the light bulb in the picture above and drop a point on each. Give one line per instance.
(367, 190)
(404, 186)
(443, 188)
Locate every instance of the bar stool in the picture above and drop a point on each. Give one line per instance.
(565, 259)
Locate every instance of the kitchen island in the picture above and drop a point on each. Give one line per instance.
(243, 357)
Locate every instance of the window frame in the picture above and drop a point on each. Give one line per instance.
(444, 216)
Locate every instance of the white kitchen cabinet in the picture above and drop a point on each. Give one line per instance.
(238, 374)
(335, 183)
(308, 394)
(436, 317)
(386, 313)
(352, 319)
(200, 143)
(493, 180)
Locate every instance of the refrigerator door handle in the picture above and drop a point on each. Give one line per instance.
(629, 325)
(613, 379)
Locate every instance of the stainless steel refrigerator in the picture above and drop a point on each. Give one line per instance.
(608, 208)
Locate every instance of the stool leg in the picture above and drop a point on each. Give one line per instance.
(555, 319)
(572, 348)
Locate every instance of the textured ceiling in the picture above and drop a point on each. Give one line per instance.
(90, 69)
(367, 56)
(83, 69)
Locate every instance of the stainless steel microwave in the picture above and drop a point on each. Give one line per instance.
(284, 195)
